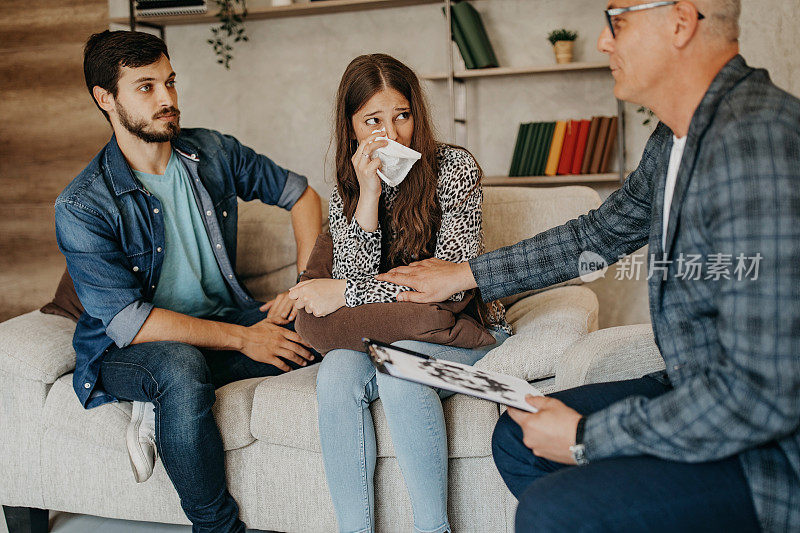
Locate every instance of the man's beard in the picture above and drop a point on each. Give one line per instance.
(139, 127)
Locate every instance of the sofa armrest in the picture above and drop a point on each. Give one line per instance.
(545, 324)
(611, 354)
(37, 347)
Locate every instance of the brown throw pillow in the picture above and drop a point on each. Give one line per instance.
(449, 323)
(65, 303)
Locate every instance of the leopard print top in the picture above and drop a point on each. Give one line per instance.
(357, 253)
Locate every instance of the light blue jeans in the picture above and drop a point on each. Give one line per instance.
(346, 384)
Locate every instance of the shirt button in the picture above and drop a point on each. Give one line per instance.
(219, 246)
(158, 249)
(153, 286)
(230, 276)
(87, 385)
(155, 210)
(208, 213)
(224, 213)
(136, 269)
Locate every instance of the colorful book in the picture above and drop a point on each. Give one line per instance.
(580, 147)
(474, 32)
(590, 145)
(600, 145)
(565, 163)
(527, 148)
(554, 157)
(605, 162)
(514, 170)
(543, 149)
(461, 42)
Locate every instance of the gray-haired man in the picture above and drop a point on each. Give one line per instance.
(714, 442)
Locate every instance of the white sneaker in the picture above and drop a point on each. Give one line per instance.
(140, 439)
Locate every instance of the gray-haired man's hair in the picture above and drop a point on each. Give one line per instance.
(722, 17)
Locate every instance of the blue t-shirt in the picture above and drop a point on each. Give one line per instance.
(191, 282)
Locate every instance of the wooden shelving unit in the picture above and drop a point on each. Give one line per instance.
(515, 71)
(456, 79)
(570, 179)
(271, 12)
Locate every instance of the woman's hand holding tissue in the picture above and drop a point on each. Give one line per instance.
(320, 297)
(367, 168)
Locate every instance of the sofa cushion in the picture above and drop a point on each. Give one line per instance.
(105, 425)
(266, 252)
(285, 413)
(512, 214)
(37, 347)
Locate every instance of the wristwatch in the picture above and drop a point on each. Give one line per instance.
(300, 275)
(578, 450)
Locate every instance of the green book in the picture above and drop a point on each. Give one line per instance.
(461, 42)
(517, 152)
(530, 148)
(524, 153)
(480, 48)
(543, 149)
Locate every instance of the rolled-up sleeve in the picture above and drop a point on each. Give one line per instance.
(106, 285)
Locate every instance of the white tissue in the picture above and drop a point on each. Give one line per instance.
(396, 160)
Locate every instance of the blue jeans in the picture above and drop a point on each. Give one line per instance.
(346, 384)
(180, 380)
(641, 493)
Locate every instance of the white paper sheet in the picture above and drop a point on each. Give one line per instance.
(456, 377)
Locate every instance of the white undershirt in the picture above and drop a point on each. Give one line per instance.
(675, 157)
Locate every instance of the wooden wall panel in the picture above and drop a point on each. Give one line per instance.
(49, 131)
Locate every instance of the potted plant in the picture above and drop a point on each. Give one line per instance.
(563, 41)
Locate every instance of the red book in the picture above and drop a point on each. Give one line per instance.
(580, 146)
(568, 151)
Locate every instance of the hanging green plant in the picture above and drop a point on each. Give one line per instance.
(649, 115)
(231, 16)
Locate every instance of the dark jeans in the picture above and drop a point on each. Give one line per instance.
(180, 380)
(640, 493)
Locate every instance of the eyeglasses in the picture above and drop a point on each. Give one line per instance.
(611, 13)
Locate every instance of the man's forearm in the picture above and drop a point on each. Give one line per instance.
(307, 224)
(165, 325)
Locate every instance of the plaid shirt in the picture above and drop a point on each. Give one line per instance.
(731, 346)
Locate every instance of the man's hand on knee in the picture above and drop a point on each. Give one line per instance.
(550, 432)
(269, 343)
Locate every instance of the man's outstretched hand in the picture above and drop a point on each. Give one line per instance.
(433, 280)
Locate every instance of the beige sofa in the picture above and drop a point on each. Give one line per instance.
(56, 455)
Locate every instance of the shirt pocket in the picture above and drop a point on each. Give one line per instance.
(141, 264)
(226, 214)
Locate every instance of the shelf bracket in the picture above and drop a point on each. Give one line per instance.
(133, 22)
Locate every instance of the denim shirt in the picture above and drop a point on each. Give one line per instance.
(111, 231)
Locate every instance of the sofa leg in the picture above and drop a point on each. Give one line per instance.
(26, 519)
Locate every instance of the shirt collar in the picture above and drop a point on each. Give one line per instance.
(120, 173)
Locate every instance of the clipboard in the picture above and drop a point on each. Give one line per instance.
(448, 375)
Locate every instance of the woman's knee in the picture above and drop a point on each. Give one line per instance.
(343, 376)
(394, 390)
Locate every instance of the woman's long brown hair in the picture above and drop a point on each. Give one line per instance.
(416, 214)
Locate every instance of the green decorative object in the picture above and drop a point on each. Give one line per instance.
(561, 35)
(231, 16)
(649, 115)
(563, 42)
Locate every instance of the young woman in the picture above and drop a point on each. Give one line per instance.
(435, 211)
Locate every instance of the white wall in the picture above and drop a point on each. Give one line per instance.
(278, 95)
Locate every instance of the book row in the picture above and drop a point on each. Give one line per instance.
(564, 147)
